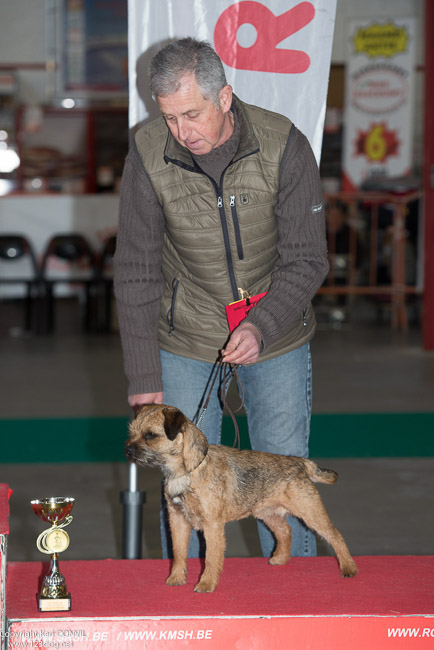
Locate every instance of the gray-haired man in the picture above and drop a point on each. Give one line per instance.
(218, 196)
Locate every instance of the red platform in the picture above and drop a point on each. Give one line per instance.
(305, 604)
(5, 493)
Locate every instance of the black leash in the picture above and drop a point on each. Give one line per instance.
(226, 372)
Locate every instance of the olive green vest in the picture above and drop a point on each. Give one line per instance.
(217, 239)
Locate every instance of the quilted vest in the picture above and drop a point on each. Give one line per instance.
(217, 239)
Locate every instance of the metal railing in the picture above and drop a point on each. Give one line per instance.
(373, 248)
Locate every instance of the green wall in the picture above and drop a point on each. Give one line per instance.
(102, 439)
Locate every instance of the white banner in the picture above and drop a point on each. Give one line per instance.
(379, 101)
(276, 53)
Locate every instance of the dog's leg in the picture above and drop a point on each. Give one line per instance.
(309, 507)
(214, 557)
(180, 531)
(282, 532)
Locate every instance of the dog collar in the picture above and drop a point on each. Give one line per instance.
(203, 460)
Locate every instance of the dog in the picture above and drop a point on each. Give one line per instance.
(208, 485)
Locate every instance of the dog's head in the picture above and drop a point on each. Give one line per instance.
(161, 436)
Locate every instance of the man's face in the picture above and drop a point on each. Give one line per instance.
(194, 121)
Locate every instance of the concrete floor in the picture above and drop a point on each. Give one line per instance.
(382, 506)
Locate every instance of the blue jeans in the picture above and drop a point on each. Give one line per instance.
(278, 404)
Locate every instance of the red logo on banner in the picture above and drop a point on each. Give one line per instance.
(263, 55)
(377, 144)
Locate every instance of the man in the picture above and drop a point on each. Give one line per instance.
(218, 196)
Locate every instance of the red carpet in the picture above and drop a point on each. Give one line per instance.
(385, 586)
(305, 605)
(5, 493)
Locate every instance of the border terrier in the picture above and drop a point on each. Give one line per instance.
(208, 485)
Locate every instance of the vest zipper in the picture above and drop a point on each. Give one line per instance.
(223, 222)
(170, 316)
(236, 227)
(229, 260)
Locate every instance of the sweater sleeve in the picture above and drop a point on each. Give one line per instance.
(138, 279)
(302, 262)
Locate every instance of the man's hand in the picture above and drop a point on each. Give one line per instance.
(243, 345)
(136, 401)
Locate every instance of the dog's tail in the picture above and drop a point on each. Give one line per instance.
(319, 475)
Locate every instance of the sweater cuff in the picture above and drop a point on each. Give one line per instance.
(148, 384)
(257, 334)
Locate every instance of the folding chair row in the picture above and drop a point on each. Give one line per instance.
(68, 260)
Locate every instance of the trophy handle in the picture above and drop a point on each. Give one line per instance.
(40, 541)
(42, 544)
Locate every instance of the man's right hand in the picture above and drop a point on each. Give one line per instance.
(136, 401)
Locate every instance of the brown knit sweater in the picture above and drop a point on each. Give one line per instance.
(299, 271)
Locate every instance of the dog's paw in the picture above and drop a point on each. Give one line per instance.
(278, 560)
(349, 570)
(205, 587)
(177, 579)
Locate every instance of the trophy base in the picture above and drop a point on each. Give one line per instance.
(54, 604)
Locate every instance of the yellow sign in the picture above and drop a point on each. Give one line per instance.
(377, 143)
(381, 40)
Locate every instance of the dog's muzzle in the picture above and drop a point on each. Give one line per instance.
(130, 452)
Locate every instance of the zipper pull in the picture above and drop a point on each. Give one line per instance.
(219, 202)
(232, 200)
(244, 294)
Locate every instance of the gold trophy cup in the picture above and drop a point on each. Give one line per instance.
(54, 595)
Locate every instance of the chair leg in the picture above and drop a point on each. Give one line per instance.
(40, 324)
(48, 300)
(28, 310)
(87, 307)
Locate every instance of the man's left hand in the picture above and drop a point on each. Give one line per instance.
(243, 345)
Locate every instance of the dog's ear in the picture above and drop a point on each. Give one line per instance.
(195, 447)
(173, 421)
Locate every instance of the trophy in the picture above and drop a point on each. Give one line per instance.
(54, 595)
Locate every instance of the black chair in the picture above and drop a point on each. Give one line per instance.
(105, 283)
(68, 259)
(18, 265)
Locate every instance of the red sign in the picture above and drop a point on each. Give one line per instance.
(263, 55)
(316, 633)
